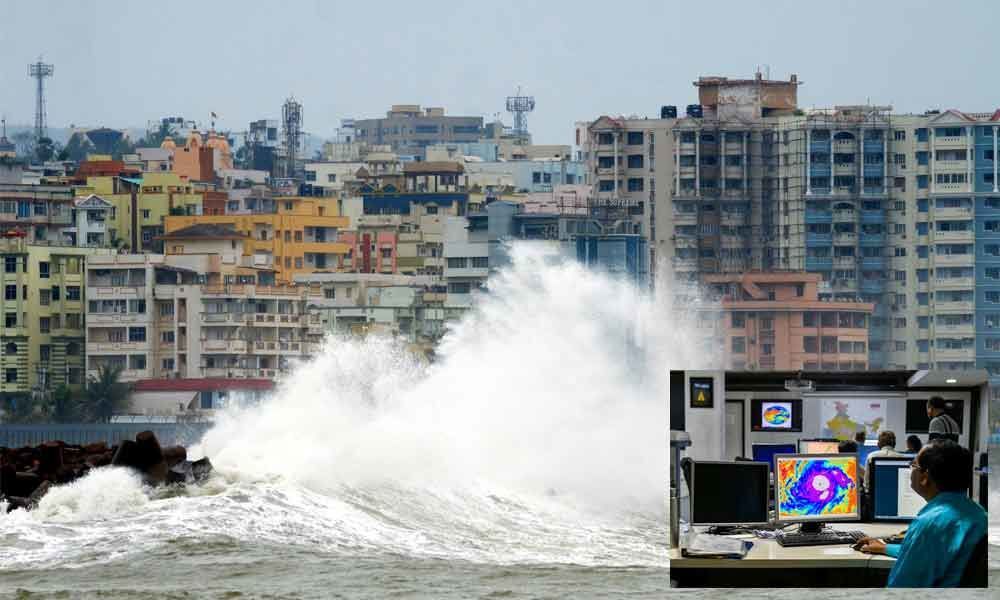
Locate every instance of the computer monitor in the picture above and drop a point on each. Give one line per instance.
(818, 446)
(917, 420)
(767, 452)
(776, 415)
(816, 488)
(863, 453)
(892, 497)
(729, 493)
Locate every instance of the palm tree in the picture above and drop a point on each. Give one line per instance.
(64, 405)
(106, 396)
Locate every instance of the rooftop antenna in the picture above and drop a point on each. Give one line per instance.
(40, 71)
(520, 106)
(291, 119)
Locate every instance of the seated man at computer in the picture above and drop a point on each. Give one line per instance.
(886, 449)
(940, 540)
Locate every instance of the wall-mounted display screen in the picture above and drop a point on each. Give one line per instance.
(776, 415)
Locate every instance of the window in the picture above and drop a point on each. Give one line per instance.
(459, 287)
(456, 262)
(635, 184)
(137, 362)
(10, 292)
(480, 262)
(635, 161)
(10, 264)
(330, 293)
(739, 345)
(44, 324)
(606, 185)
(298, 262)
(72, 320)
(73, 293)
(634, 138)
(44, 352)
(810, 344)
(167, 337)
(145, 213)
(137, 306)
(168, 364)
(10, 320)
(10, 348)
(899, 322)
(536, 177)
(43, 270)
(10, 375)
(432, 209)
(738, 319)
(767, 324)
(137, 334)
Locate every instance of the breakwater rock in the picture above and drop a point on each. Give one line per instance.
(26, 474)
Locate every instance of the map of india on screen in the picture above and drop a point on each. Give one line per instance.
(842, 418)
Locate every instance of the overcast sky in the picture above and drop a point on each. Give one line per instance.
(121, 64)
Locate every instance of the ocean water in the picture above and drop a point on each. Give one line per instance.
(529, 461)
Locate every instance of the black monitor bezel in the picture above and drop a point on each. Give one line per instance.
(738, 463)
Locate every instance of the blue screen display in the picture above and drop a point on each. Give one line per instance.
(887, 494)
(767, 452)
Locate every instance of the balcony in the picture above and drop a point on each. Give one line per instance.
(953, 260)
(873, 146)
(115, 292)
(814, 263)
(872, 217)
(224, 346)
(960, 306)
(118, 318)
(873, 263)
(117, 347)
(820, 146)
(872, 239)
(226, 318)
(819, 239)
(818, 216)
(872, 286)
(844, 145)
(126, 375)
(845, 262)
(239, 372)
(967, 236)
(845, 238)
(955, 283)
(844, 216)
(819, 170)
(954, 213)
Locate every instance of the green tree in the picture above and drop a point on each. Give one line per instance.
(153, 139)
(64, 406)
(78, 147)
(21, 408)
(106, 395)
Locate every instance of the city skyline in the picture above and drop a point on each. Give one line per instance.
(308, 52)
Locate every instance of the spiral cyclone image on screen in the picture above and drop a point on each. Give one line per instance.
(777, 415)
(817, 487)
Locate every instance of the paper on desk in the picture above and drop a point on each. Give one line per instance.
(715, 546)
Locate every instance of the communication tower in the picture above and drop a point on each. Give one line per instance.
(520, 106)
(291, 120)
(40, 71)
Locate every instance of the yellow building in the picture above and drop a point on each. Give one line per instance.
(294, 234)
(42, 309)
(141, 204)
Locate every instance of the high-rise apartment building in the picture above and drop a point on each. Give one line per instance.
(900, 211)
(408, 129)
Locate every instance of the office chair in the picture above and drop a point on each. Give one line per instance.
(977, 569)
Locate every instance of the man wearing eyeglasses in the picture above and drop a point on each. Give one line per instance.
(940, 540)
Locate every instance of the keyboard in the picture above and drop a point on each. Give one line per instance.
(826, 538)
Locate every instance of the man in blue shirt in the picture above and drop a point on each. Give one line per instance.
(944, 533)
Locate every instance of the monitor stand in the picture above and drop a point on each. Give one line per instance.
(812, 527)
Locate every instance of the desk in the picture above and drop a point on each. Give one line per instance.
(769, 564)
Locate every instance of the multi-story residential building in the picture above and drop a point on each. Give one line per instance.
(408, 306)
(40, 213)
(408, 129)
(893, 210)
(42, 308)
(195, 316)
(776, 321)
(294, 234)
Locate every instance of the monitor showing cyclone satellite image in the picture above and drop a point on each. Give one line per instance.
(816, 488)
(776, 415)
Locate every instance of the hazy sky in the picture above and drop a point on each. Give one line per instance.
(122, 63)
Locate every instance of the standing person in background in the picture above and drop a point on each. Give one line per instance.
(886, 449)
(942, 425)
(859, 437)
(913, 444)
